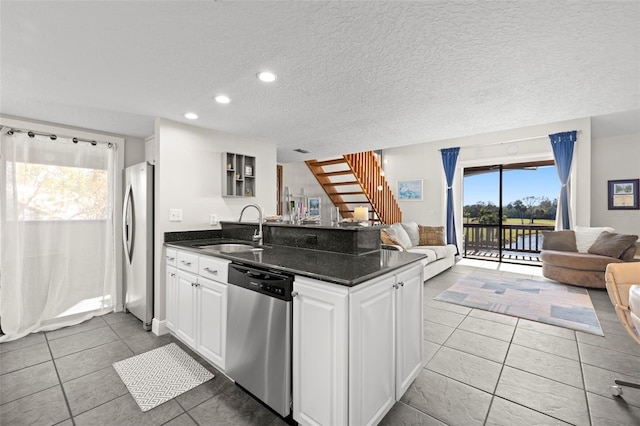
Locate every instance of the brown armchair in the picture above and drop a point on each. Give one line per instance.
(623, 287)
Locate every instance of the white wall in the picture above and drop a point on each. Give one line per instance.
(188, 176)
(614, 158)
(299, 179)
(526, 144)
(133, 152)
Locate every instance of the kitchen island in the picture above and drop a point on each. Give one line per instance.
(357, 322)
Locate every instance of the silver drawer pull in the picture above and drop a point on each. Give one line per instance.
(171, 258)
(172, 274)
(186, 263)
(212, 271)
(294, 293)
(401, 284)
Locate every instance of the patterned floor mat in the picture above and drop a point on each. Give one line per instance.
(159, 375)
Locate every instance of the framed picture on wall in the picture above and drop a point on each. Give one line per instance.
(410, 190)
(314, 206)
(623, 194)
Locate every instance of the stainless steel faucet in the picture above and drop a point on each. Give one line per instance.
(256, 236)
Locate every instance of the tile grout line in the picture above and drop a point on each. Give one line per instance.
(64, 393)
(185, 411)
(504, 363)
(493, 395)
(584, 384)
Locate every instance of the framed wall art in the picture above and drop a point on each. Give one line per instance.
(410, 190)
(623, 194)
(314, 206)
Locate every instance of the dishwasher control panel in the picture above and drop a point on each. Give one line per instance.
(267, 282)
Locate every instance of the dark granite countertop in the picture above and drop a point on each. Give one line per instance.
(338, 268)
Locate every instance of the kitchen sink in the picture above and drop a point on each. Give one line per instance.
(231, 248)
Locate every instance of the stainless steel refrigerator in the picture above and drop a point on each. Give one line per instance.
(137, 236)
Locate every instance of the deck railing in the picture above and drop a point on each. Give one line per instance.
(515, 238)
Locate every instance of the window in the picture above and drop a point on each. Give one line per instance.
(51, 192)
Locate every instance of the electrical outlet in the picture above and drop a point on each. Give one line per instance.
(213, 219)
(175, 215)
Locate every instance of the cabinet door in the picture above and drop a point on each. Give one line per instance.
(320, 353)
(409, 327)
(171, 280)
(212, 320)
(372, 351)
(186, 307)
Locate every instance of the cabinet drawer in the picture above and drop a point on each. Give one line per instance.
(214, 268)
(187, 262)
(170, 257)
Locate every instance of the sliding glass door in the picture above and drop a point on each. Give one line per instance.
(506, 207)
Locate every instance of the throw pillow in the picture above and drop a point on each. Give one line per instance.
(432, 236)
(629, 254)
(412, 230)
(586, 236)
(397, 232)
(612, 245)
(559, 240)
(385, 238)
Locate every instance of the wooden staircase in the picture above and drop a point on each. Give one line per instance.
(357, 180)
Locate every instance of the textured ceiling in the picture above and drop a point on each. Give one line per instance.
(352, 75)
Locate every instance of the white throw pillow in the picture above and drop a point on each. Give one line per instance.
(412, 231)
(397, 232)
(587, 235)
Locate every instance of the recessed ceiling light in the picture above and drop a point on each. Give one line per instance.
(267, 76)
(222, 99)
(191, 115)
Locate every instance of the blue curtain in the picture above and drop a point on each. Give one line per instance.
(449, 160)
(562, 144)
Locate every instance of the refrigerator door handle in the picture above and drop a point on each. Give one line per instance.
(128, 214)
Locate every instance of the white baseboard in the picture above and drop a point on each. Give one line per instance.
(159, 327)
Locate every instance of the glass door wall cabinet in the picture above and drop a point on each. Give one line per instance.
(238, 175)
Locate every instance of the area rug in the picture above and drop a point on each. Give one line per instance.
(159, 375)
(542, 301)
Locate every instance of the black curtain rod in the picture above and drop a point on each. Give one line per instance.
(53, 137)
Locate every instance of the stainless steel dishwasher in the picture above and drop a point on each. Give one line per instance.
(259, 315)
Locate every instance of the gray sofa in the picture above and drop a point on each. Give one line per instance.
(406, 236)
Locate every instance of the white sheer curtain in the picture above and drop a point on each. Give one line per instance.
(57, 230)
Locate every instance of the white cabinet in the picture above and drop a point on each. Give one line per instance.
(370, 333)
(409, 328)
(171, 280)
(372, 352)
(320, 353)
(186, 307)
(212, 320)
(197, 304)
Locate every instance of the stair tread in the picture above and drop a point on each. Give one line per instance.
(336, 173)
(344, 183)
(345, 193)
(352, 202)
(328, 162)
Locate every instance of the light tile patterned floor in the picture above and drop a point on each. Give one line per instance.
(480, 368)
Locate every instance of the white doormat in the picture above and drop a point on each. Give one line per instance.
(157, 376)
